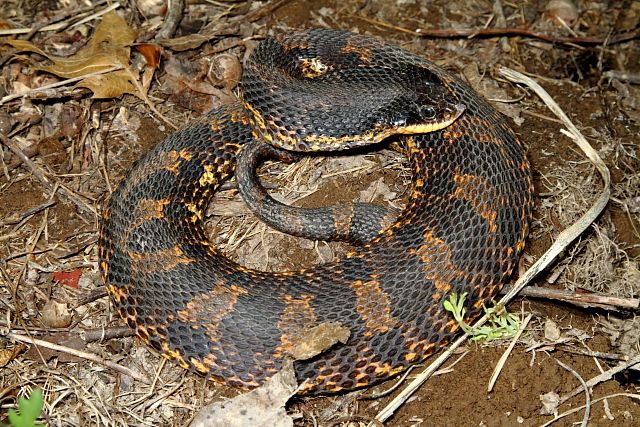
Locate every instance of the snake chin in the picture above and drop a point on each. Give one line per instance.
(425, 118)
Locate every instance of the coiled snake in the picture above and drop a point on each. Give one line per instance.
(462, 229)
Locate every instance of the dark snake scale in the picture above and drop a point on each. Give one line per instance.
(462, 230)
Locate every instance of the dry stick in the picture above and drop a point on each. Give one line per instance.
(57, 84)
(230, 46)
(46, 182)
(81, 354)
(582, 299)
(73, 250)
(505, 355)
(587, 396)
(574, 410)
(564, 238)
(87, 335)
(17, 217)
(501, 21)
(103, 334)
(605, 376)
(58, 26)
(623, 76)
(594, 354)
(266, 10)
(171, 21)
(495, 32)
(97, 14)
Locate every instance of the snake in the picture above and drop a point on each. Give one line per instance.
(462, 230)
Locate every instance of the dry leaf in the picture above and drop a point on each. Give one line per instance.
(550, 402)
(318, 339)
(551, 331)
(67, 278)
(151, 53)
(192, 41)
(108, 47)
(8, 354)
(110, 85)
(265, 406)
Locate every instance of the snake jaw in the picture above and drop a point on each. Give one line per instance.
(441, 117)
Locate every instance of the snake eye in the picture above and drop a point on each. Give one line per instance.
(427, 112)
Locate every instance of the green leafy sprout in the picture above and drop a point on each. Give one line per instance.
(29, 410)
(501, 324)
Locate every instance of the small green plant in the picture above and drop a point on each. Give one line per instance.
(501, 324)
(29, 410)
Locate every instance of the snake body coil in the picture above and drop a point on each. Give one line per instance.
(462, 229)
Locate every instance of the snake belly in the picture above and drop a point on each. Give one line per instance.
(462, 230)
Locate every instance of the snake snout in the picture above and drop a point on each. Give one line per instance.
(432, 117)
(453, 112)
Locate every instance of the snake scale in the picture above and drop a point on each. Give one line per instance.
(462, 229)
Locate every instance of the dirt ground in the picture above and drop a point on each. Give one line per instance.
(76, 148)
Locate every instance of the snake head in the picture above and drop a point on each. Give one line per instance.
(426, 105)
(424, 118)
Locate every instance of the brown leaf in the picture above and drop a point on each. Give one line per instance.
(110, 85)
(108, 47)
(66, 339)
(8, 354)
(264, 406)
(192, 41)
(318, 339)
(151, 53)
(69, 278)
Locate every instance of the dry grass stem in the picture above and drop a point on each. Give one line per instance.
(507, 352)
(81, 354)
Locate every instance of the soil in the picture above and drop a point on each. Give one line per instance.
(87, 145)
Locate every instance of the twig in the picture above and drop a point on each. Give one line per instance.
(389, 390)
(587, 395)
(66, 253)
(505, 355)
(574, 410)
(91, 296)
(91, 335)
(172, 19)
(237, 43)
(266, 10)
(57, 84)
(571, 233)
(38, 26)
(590, 353)
(48, 183)
(564, 238)
(98, 14)
(57, 27)
(500, 21)
(17, 217)
(605, 376)
(87, 335)
(352, 420)
(622, 76)
(609, 302)
(81, 354)
(495, 32)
